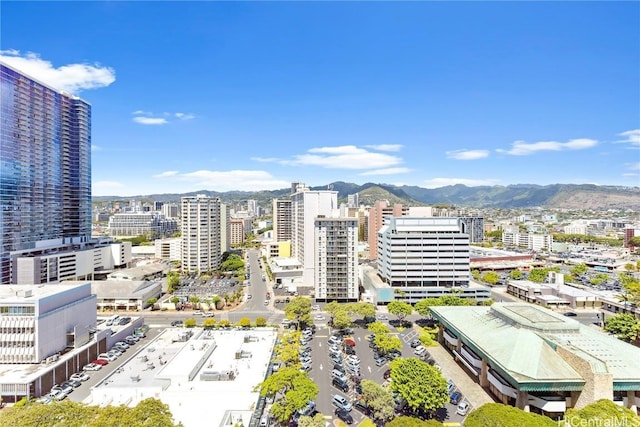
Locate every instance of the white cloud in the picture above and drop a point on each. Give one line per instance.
(631, 137)
(385, 147)
(467, 154)
(631, 174)
(95, 147)
(243, 180)
(443, 182)
(166, 174)
(521, 148)
(150, 120)
(343, 157)
(387, 171)
(266, 159)
(633, 166)
(185, 116)
(71, 78)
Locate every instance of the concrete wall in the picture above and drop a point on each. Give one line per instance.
(597, 385)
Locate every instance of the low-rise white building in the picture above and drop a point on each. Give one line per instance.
(39, 321)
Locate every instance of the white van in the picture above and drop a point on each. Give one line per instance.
(339, 374)
(264, 421)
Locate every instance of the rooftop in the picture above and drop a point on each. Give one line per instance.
(188, 369)
(10, 294)
(520, 339)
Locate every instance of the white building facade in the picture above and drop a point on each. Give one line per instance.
(336, 260)
(307, 205)
(416, 255)
(201, 233)
(37, 322)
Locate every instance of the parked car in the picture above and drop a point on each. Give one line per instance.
(341, 402)
(92, 367)
(99, 361)
(209, 314)
(344, 415)
(58, 394)
(455, 397)
(109, 357)
(360, 406)
(73, 383)
(415, 343)
(115, 352)
(46, 399)
(381, 361)
(463, 408)
(198, 313)
(315, 307)
(450, 386)
(341, 385)
(121, 345)
(80, 376)
(66, 387)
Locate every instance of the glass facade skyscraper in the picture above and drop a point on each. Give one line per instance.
(45, 167)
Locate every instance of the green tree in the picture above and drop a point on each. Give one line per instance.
(499, 415)
(448, 300)
(400, 309)
(516, 275)
(223, 323)
(342, 320)
(174, 300)
(245, 322)
(600, 413)
(209, 323)
(194, 300)
(422, 306)
(363, 309)
(386, 343)
(579, 269)
(491, 277)
(173, 281)
(630, 288)
(420, 385)
(405, 421)
(333, 308)
(378, 328)
(475, 274)
(625, 326)
(295, 387)
(190, 322)
(629, 266)
(261, 321)
(378, 399)
(538, 275)
(299, 309)
(152, 301)
(316, 421)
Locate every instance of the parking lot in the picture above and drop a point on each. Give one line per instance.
(194, 287)
(322, 366)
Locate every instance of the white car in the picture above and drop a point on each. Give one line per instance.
(92, 367)
(315, 307)
(80, 376)
(107, 356)
(286, 321)
(463, 408)
(318, 317)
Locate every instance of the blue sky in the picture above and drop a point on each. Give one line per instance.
(225, 96)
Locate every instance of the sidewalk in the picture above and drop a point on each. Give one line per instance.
(471, 390)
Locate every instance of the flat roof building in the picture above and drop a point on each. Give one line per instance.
(538, 360)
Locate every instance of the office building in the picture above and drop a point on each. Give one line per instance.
(168, 249)
(307, 205)
(151, 224)
(423, 257)
(474, 227)
(201, 233)
(45, 169)
(282, 219)
(39, 321)
(353, 200)
(336, 259)
(170, 210)
(377, 215)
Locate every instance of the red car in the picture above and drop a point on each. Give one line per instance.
(100, 362)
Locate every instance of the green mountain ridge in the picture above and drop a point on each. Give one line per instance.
(568, 196)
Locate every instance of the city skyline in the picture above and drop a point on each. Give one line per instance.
(253, 96)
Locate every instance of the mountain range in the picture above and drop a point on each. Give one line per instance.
(560, 196)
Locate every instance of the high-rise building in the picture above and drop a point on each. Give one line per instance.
(353, 200)
(423, 257)
(45, 168)
(201, 233)
(307, 205)
(377, 215)
(252, 207)
(281, 220)
(336, 260)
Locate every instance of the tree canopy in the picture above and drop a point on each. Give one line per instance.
(499, 415)
(400, 309)
(624, 325)
(405, 421)
(299, 309)
(295, 387)
(378, 399)
(148, 412)
(600, 413)
(420, 385)
(491, 277)
(316, 421)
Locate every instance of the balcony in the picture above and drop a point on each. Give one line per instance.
(450, 338)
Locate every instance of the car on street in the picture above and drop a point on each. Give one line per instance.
(315, 307)
(249, 296)
(382, 317)
(209, 314)
(319, 317)
(198, 313)
(176, 323)
(344, 415)
(462, 409)
(80, 376)
(570, 314)
(266, 302)
(91, 367)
